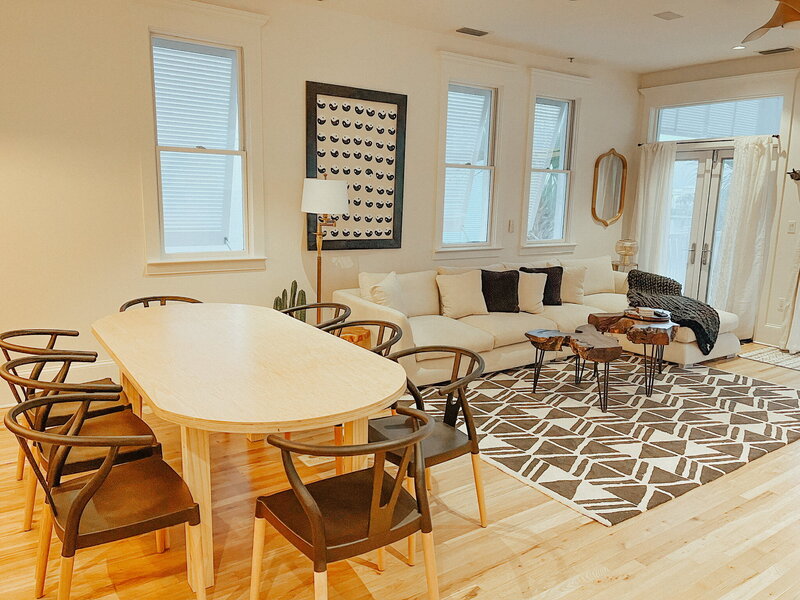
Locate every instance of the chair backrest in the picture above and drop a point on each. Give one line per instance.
(320, 310)
(381, 507)
(146, 301)
(467, 367)
(384, 334)
(46, 376)
(61, 440)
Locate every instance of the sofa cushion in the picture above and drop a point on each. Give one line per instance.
(728, 322)
(568, 317)
(610, 303)
(461, 295)
(508, 328)
(531, 291)
(552, 289)
(387, 292)
(572, 284)
(419, 290)
(501, 290)
(599, 273)
(435, 330)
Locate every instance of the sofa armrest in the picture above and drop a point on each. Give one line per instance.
(367, 310)
(620, 282)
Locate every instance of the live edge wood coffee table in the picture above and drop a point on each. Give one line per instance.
(653, 335)
(588, 344)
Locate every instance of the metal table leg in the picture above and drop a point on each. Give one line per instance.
(653, 362)
(537, 369)
(602, 386)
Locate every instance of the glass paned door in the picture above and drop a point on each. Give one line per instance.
(700, 185)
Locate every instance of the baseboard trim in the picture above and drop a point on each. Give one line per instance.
(78, 372)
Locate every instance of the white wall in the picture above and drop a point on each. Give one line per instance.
(780, 280)
(73, 120)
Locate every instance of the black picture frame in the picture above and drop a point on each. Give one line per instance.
(351, 96)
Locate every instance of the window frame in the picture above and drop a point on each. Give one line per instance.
(490, 167)
(241, 152)
(530, 171)
(213, 26)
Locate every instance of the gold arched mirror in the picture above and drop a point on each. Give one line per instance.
(608, 195)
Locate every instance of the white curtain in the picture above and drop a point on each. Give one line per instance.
(742, 249)
(653, 201)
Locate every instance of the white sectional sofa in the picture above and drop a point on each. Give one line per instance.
(500, 337)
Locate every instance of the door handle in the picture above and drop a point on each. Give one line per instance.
(692, 253)
(706, 255)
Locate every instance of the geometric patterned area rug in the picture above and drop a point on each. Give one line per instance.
(774, 356)
(699, 425)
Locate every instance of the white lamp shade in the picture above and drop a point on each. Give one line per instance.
(325, 197)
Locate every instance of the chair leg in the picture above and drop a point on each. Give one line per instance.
(259, 535)
(476, 469)
(411, 560)
(287, 435)
(430, 566)
(321, 585)
(338, 439)
(428, 483)
(30, 500)
(65, 577)
(198, 574)
(20, 464)
(162, 540)
(43, 553)
(380, 559)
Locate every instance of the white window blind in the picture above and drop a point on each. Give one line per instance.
(755, 116)
(550, 169)
(469, 165)
(200, 154)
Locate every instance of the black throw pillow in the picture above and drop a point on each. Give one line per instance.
(552, 288)
(501, 290)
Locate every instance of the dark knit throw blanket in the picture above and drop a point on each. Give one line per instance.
(656, 291)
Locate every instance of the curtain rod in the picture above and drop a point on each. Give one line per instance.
(776, 136)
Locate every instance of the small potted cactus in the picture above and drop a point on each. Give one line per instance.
(291, 298)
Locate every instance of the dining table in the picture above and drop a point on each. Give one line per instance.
(237, 368)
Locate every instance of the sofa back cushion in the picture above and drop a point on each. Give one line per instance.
(387, 292)
(501, 291)
(461, 294)
(419, 291)
(573, 284)
(599, 273)
(552, 289)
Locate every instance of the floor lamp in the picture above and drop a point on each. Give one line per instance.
(324, 197)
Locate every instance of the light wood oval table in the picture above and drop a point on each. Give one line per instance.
(243, 369)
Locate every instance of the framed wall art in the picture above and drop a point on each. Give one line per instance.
(358, 136)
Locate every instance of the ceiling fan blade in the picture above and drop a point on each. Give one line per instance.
(783, 14)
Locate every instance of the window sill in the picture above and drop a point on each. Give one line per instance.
(549, 248)
(205, 265)
(461, 252)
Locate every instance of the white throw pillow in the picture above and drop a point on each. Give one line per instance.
(388, 293)
(420, 294)
(461, 294)
(599, 275)
(460, 270)
(531, 291)
(367, 280)
(572, 284)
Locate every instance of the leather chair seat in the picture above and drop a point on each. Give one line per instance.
(445, 443)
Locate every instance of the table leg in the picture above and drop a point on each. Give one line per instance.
(132, 396)
(537, 369)
(196, 458)
(355, 432)
(580, 365)
(602, 386)
(653, 361)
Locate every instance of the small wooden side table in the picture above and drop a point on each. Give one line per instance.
(653, 335)
(360, 336)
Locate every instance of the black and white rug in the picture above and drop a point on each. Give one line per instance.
(699, 425)
(774, 356)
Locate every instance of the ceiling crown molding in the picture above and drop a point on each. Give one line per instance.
(476, 60)
(535, 71)
(212, 9)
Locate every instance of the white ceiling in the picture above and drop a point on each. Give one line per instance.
(621, 33)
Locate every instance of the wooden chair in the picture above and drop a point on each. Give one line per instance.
(146, 301)
(114, 502)
(387, 335)
(34, 386)
(347, 515)
(341, 312)
(447, 441)
(12, 348)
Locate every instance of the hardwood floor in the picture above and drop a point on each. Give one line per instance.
(733, 539)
